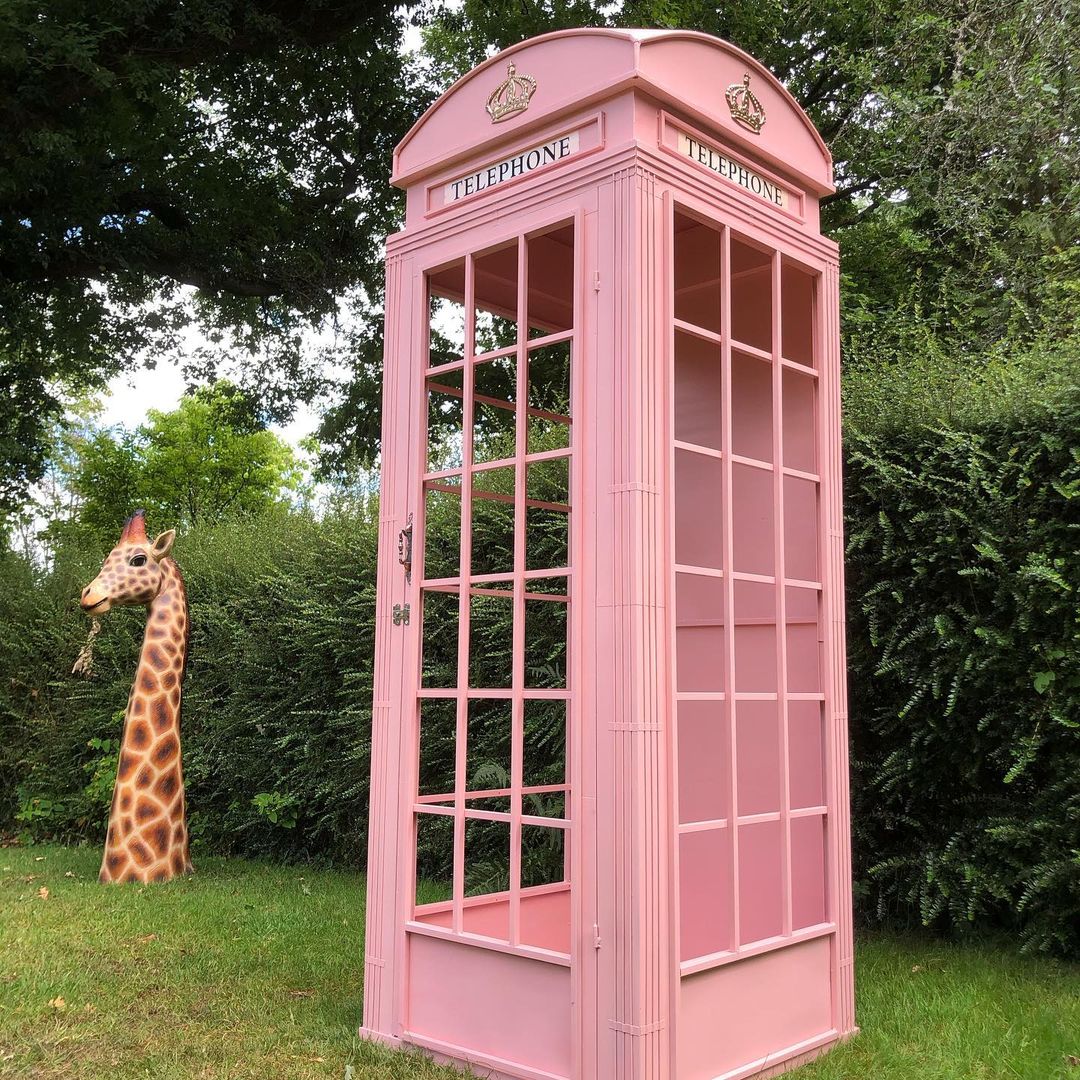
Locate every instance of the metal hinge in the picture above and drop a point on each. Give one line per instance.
(596, 281)
(401, 614)
(596, 935)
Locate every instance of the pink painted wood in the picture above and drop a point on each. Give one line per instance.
(692, 916)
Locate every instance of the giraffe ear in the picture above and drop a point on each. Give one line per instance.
(163, 545)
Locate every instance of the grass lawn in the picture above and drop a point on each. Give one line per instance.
(249, 970)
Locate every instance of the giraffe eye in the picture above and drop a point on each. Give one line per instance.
(137, 560)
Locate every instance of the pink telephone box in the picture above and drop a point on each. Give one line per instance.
(609, 808)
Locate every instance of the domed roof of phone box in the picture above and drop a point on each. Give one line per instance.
(686, 71)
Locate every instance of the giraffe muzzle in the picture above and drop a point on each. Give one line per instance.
(98, 607)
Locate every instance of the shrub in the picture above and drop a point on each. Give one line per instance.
(964, 647)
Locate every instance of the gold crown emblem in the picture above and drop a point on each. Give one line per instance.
(511, 96)
(745, 107)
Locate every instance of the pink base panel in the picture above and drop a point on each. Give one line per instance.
(770, 1004)
(610, 717)
(504, 1008)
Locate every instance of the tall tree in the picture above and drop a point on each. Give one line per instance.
(210, 457)
(219, 162)
(955, 130)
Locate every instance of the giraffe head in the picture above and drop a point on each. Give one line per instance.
(131, 573)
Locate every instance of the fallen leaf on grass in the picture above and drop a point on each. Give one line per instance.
(1072, 1061)
(58, 1003)
(69, 873)
(146, 939)
(301, 993)
(43, 893)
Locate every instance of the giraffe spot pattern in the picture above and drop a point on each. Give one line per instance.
(160, 714)
(147, 835)
(158, 837)
(140, 852)
(165, 750)
(168, 785)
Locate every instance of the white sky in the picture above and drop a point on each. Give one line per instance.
(131, 394)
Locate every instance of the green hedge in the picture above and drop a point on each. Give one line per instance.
(964, 641)
(277, 700)
(964, 646)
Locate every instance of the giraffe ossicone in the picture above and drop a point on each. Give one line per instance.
(147, 838)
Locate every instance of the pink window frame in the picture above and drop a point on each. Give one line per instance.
(465, 585)
(779, 255)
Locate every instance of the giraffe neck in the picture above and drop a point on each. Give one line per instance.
(147, 837)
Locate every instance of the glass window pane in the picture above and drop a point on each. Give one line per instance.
(495, 284)
(699, 510)
(807, 871)
(544, 745)
(751, 407)
(490, 640)
(442, 529)
(761, 901)
(697, 273)
(488, 744)
(543, 856)
(434, 858)
(445, 420)
(757, 757)
(797, 314)
(801, 529)
(551, 281)
(549, 397)
(751, 295)
(487, 870)
(755, 637)
(546, 629)
(698, 391)
(440, 638)
(493, 521)
(806, 753)
(438, 739)
(446, 314)
(800, 421)
(494, 411)
(703, 761)
(704, 893)
(699, 633)
(752, 519)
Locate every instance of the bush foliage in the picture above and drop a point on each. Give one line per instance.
(964, 645)
(277, 699)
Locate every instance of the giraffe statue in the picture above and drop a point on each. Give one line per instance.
(147, 838)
